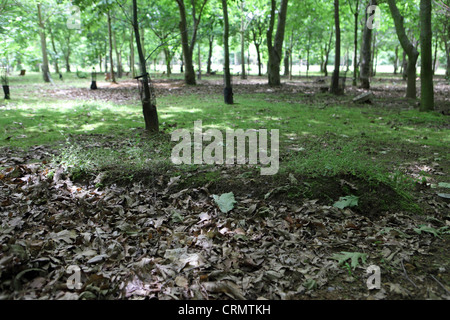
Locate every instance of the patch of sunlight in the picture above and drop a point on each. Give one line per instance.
(182, 109)
(315, 121)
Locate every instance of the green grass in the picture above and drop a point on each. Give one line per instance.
(317, 140)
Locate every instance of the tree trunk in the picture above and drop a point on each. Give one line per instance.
(148, 109)
(355, 48)
(404, 66)
(199, 62)
(258, 56)
(52, 39)
(45, 68)
(435, 55)
(408, 47)
(188, 48)
(132, 69)
(275, 48)
(426, 71)
(118, 59)
(396, 60)
(327, 54)
(189, 74)
(168, 58)
(228, 90)
(111, 62)
(286, 63)
(337, 57)
(366, 52)
(210, 49)
(242, 31)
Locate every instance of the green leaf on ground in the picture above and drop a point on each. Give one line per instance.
(225, 202)
(348, 201)
(354, 256)
(427, 229)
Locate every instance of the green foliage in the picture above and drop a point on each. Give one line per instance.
(353, 256)
(348, 201)
(225, 201)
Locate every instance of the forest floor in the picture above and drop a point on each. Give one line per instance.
(82, 186)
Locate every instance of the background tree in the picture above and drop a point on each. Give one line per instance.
(148, 109)
(188, 45)
(228, 90)
(337, 57)
(366, 49)
(426, 70)
(45, 69)
(275, 46)
(408, 48)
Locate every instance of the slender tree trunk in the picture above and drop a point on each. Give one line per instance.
(447, 51)
(435, 55)
(132, 68)
(355, 48)
(337, 58)
(45, 68)
(408, 47)
(228, 90)
(111, 62)
(426, 71)
(404, 66)
(189, 75)
(199, 62)
(118, 60)
(327, 54)
(210, 49)
(148, 109)
(396, 60)
(275, 48)
(366, 52)
(52, 39)
(242, 31)
(168, 58)
(258, 56)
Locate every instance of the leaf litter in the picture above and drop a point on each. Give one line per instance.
(141, 242)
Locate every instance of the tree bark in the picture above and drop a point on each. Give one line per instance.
(118, 59)
(168, 58)
(337, 58)
(45, 68)
(52, 40)
(210, 49)
(111, 62)
(355, 43)
(148, 109)
(242, 32)
(366, 53)
(426, 70)
(396, 60)
(188, 47)
(408, 47)
(228, 90)
(132, 68)
(275, 48)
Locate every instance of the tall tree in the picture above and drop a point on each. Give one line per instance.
(45, 68)
(111, 62)
(275, 46)
(148, 109)
(188, 45)
(228, 90)
(408, 48)
(426, 70)
(366, 49)
(355, 13)
(337, 57)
